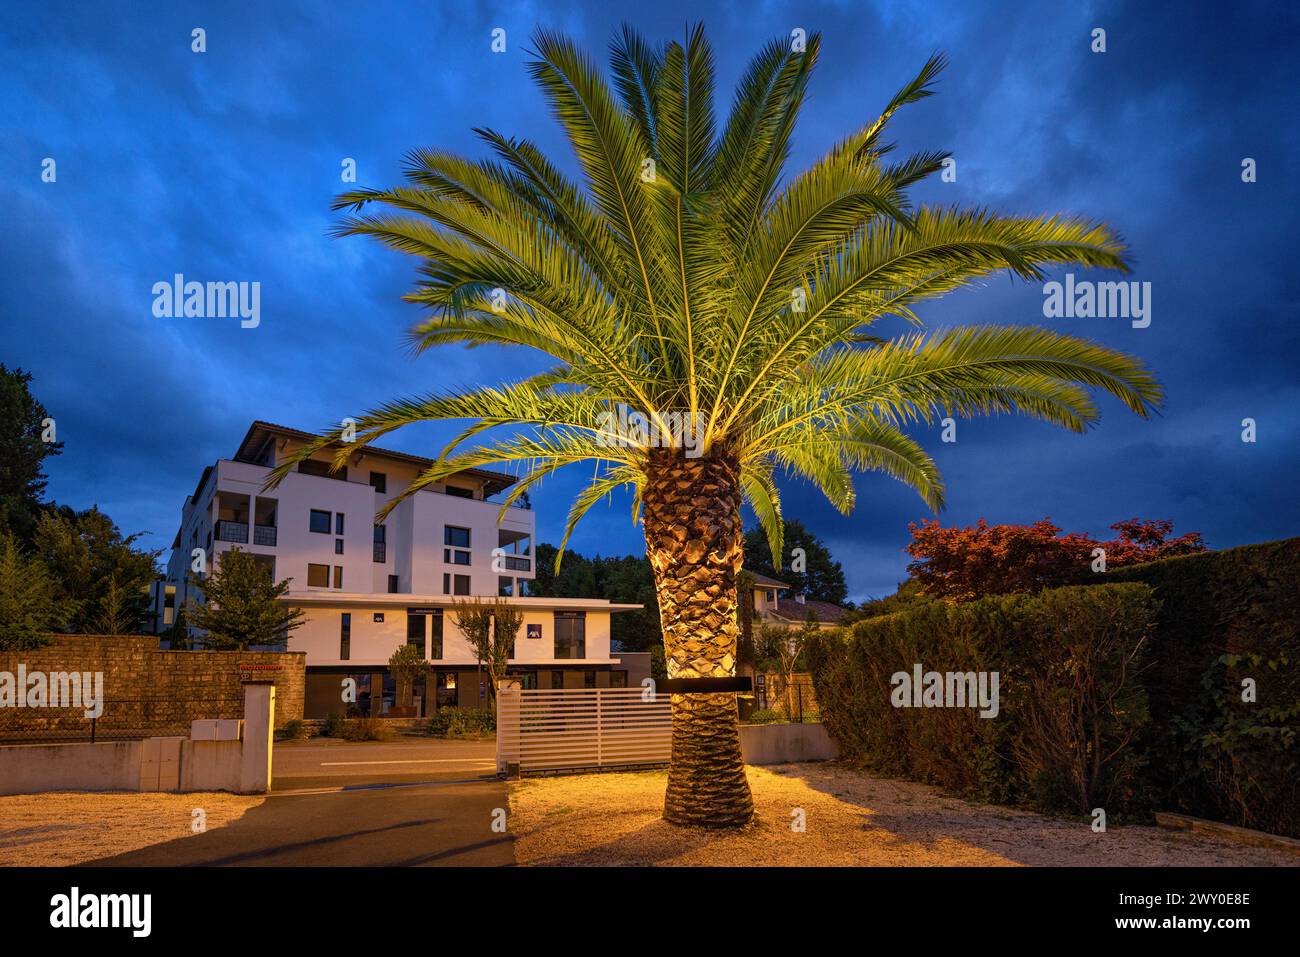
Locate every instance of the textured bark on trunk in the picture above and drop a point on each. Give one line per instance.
(691, 509)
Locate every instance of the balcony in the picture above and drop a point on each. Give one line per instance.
(264, 535)
(515, 564)
(232, 532)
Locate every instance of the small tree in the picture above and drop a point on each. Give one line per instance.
(242, 606)
(31, 605)
(407, 664)
(490, 628)
(962, 564)
(783, 647)
(745, 621)
(95, 563)
(118, 611)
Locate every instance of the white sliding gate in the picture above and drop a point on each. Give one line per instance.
(541, 730)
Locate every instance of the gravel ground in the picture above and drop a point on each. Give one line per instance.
(69, 827)
(852, 819)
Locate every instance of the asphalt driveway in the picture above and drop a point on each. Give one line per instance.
(404, 803)
(331, 763)
(421, 825)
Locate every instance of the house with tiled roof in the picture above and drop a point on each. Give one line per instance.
(776, 603)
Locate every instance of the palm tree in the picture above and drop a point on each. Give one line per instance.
(685, 277)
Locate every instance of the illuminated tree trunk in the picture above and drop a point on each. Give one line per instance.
(693, 532)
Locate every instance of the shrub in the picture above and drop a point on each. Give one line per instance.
(462, 722)
(366, 729)
(764, 716)
(295, 730)
(1070, 707)
(333, 727)
(1225, 617)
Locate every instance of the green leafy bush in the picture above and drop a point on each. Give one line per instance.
(366, 729)
(764, 716)
(462, 722)
(1226, 617)
(1070, 705)
(295, 730)
(333, 727)
(1183, 736)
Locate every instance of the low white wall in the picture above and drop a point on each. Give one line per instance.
(103, 766)
(153, 764)
(211, 765)
(786, 743)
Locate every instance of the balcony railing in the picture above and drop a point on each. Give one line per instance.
(264, 535)
(232, 532)
(381, 552)
(518, 564)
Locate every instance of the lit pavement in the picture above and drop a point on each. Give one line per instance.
(355, 805)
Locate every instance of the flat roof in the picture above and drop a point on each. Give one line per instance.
(323, 597)
(494, 481)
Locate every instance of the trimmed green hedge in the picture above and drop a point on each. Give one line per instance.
(452, 722)
(1169, 644)
(1066, 661)
(1226, 617)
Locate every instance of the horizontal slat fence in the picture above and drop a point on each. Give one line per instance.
(554, 730)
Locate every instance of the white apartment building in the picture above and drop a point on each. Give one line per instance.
(366, 588)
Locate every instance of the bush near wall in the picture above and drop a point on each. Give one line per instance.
(454, 722)
(1071, 704)
(1225, 617)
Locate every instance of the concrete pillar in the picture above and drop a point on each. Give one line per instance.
(259, 732)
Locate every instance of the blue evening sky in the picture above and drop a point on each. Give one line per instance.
(221, 166)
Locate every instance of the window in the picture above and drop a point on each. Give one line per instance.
(381, 544)
(618, 679)
(320, 521)
(338, 576)
(318, 576)
(455, 584)
(345, 637)
(394, 584)
(379, 482)
(435, 638)
(570, 634)
(315, 467)
(338, 523)
(505, 587)
(589, 679)
(338, 546)
(415, 629)
(457, 540)
(459, 492)
(446, 689)
(557, 679)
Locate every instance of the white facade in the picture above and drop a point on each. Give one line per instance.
(229, 508)
(359, 586)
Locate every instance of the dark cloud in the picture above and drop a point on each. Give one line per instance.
(222, 166)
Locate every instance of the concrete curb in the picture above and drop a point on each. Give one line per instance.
(1227, 832)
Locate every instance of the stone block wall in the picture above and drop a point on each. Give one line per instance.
(150, 691)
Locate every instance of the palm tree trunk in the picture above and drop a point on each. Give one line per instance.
(694, 538)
